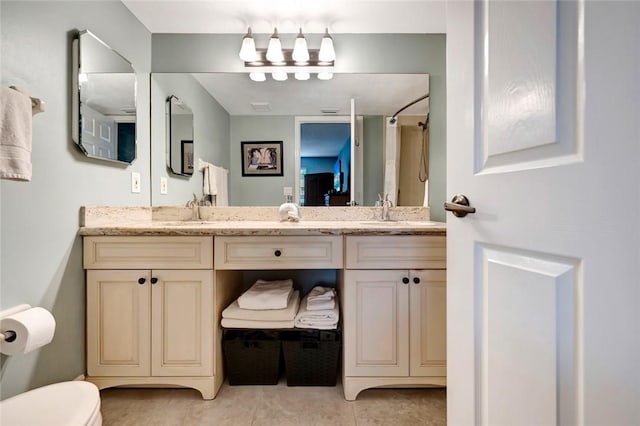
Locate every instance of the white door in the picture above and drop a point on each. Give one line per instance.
(543, 138)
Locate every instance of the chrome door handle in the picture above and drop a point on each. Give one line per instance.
(459, 206)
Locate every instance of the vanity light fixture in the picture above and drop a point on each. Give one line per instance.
(327, 54)
(274, 51)
(299, 61)
(248, 50)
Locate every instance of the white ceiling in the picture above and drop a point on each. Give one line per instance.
(340, 16)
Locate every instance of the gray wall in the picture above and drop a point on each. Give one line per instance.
(41, 256)
(373, 171)
(211, 133)
(357, 53)
(260, 190)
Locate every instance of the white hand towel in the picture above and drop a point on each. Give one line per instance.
(15, 135)
(238, 323)
(208, 179)
(320, 305)
(323, 320)
(321, 293)
(221, 176)
(234, 311)
(267, 295)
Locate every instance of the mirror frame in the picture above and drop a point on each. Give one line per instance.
(174, 100)
(76, 103)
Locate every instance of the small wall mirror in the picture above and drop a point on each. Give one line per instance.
(103, 101)
(179, 119)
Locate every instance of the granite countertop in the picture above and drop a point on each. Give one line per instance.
(131, 221)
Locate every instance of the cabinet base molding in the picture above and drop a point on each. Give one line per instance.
(354, 385)
(207, 386)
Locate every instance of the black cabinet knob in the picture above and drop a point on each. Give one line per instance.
(154, 280)
(405, 280)
(142, 281)
(416, 280)
(278, 253)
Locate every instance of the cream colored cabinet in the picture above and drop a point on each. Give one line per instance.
(394, 319)
(151, 326)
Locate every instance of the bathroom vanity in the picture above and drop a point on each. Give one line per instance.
(157, 285)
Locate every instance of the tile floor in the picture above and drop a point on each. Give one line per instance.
(273, 405)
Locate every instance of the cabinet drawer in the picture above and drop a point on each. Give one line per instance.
(395, 252)
(278, 252)
(148, 252)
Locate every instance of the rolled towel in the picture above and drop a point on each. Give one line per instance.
(234, 311)
(323, 319)
(320, 305)
(267, 295)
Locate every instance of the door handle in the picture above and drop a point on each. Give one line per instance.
(459, 206)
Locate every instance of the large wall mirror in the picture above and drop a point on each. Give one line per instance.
(238, 109)
(103, 100)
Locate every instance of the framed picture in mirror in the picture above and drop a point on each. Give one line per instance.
(261, 158)
(186, 153)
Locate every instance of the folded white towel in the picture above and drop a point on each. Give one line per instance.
(267, 295)
(320, 305)
(234, 311)
(15, 135)
(238, 323)
(324, 319)
(321, 293)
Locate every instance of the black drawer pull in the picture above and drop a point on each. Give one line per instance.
(278, 253)
(142, 281)
(405, 280)
(416, 280)
(154, 280)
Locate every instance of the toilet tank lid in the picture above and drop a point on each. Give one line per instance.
(66, 403)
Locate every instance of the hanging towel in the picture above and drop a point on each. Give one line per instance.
(15, 134)
(234, 311)
(324, 320)
(267, 295)
(214, 182)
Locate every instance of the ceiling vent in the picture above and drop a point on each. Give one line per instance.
(261, 106)
(329, 110)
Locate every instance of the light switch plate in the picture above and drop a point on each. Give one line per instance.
(164, 185)
(135, 182)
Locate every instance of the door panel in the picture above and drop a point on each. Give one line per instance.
(428, 323)
(376, 323)
(182, 327)
(118, 323)
(541, 138)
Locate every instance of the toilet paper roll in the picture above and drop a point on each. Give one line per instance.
(33, 327)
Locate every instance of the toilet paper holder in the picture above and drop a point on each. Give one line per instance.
(10, 335)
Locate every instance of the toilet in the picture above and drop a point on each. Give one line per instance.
(73, 403)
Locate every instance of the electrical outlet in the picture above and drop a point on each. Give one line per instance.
(288, 190)
(163, 185)
(135, 182)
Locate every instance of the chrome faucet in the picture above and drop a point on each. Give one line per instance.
(195, 208)
(289, 211)
(386, 203)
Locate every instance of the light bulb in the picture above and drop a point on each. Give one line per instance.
(248, 50)
(326, 54)
(300, 52)
(279, 75)
(325, 75)
(257, 76)
(274, 50)
(301, 75)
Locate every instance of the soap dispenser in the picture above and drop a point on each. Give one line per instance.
(289, 211)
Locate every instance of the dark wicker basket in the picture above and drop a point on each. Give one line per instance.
(252, 357)
(311, 357)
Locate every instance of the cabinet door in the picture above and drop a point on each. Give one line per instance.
(118, 313)
(182, 323)
(428, 323)
(376, 323)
